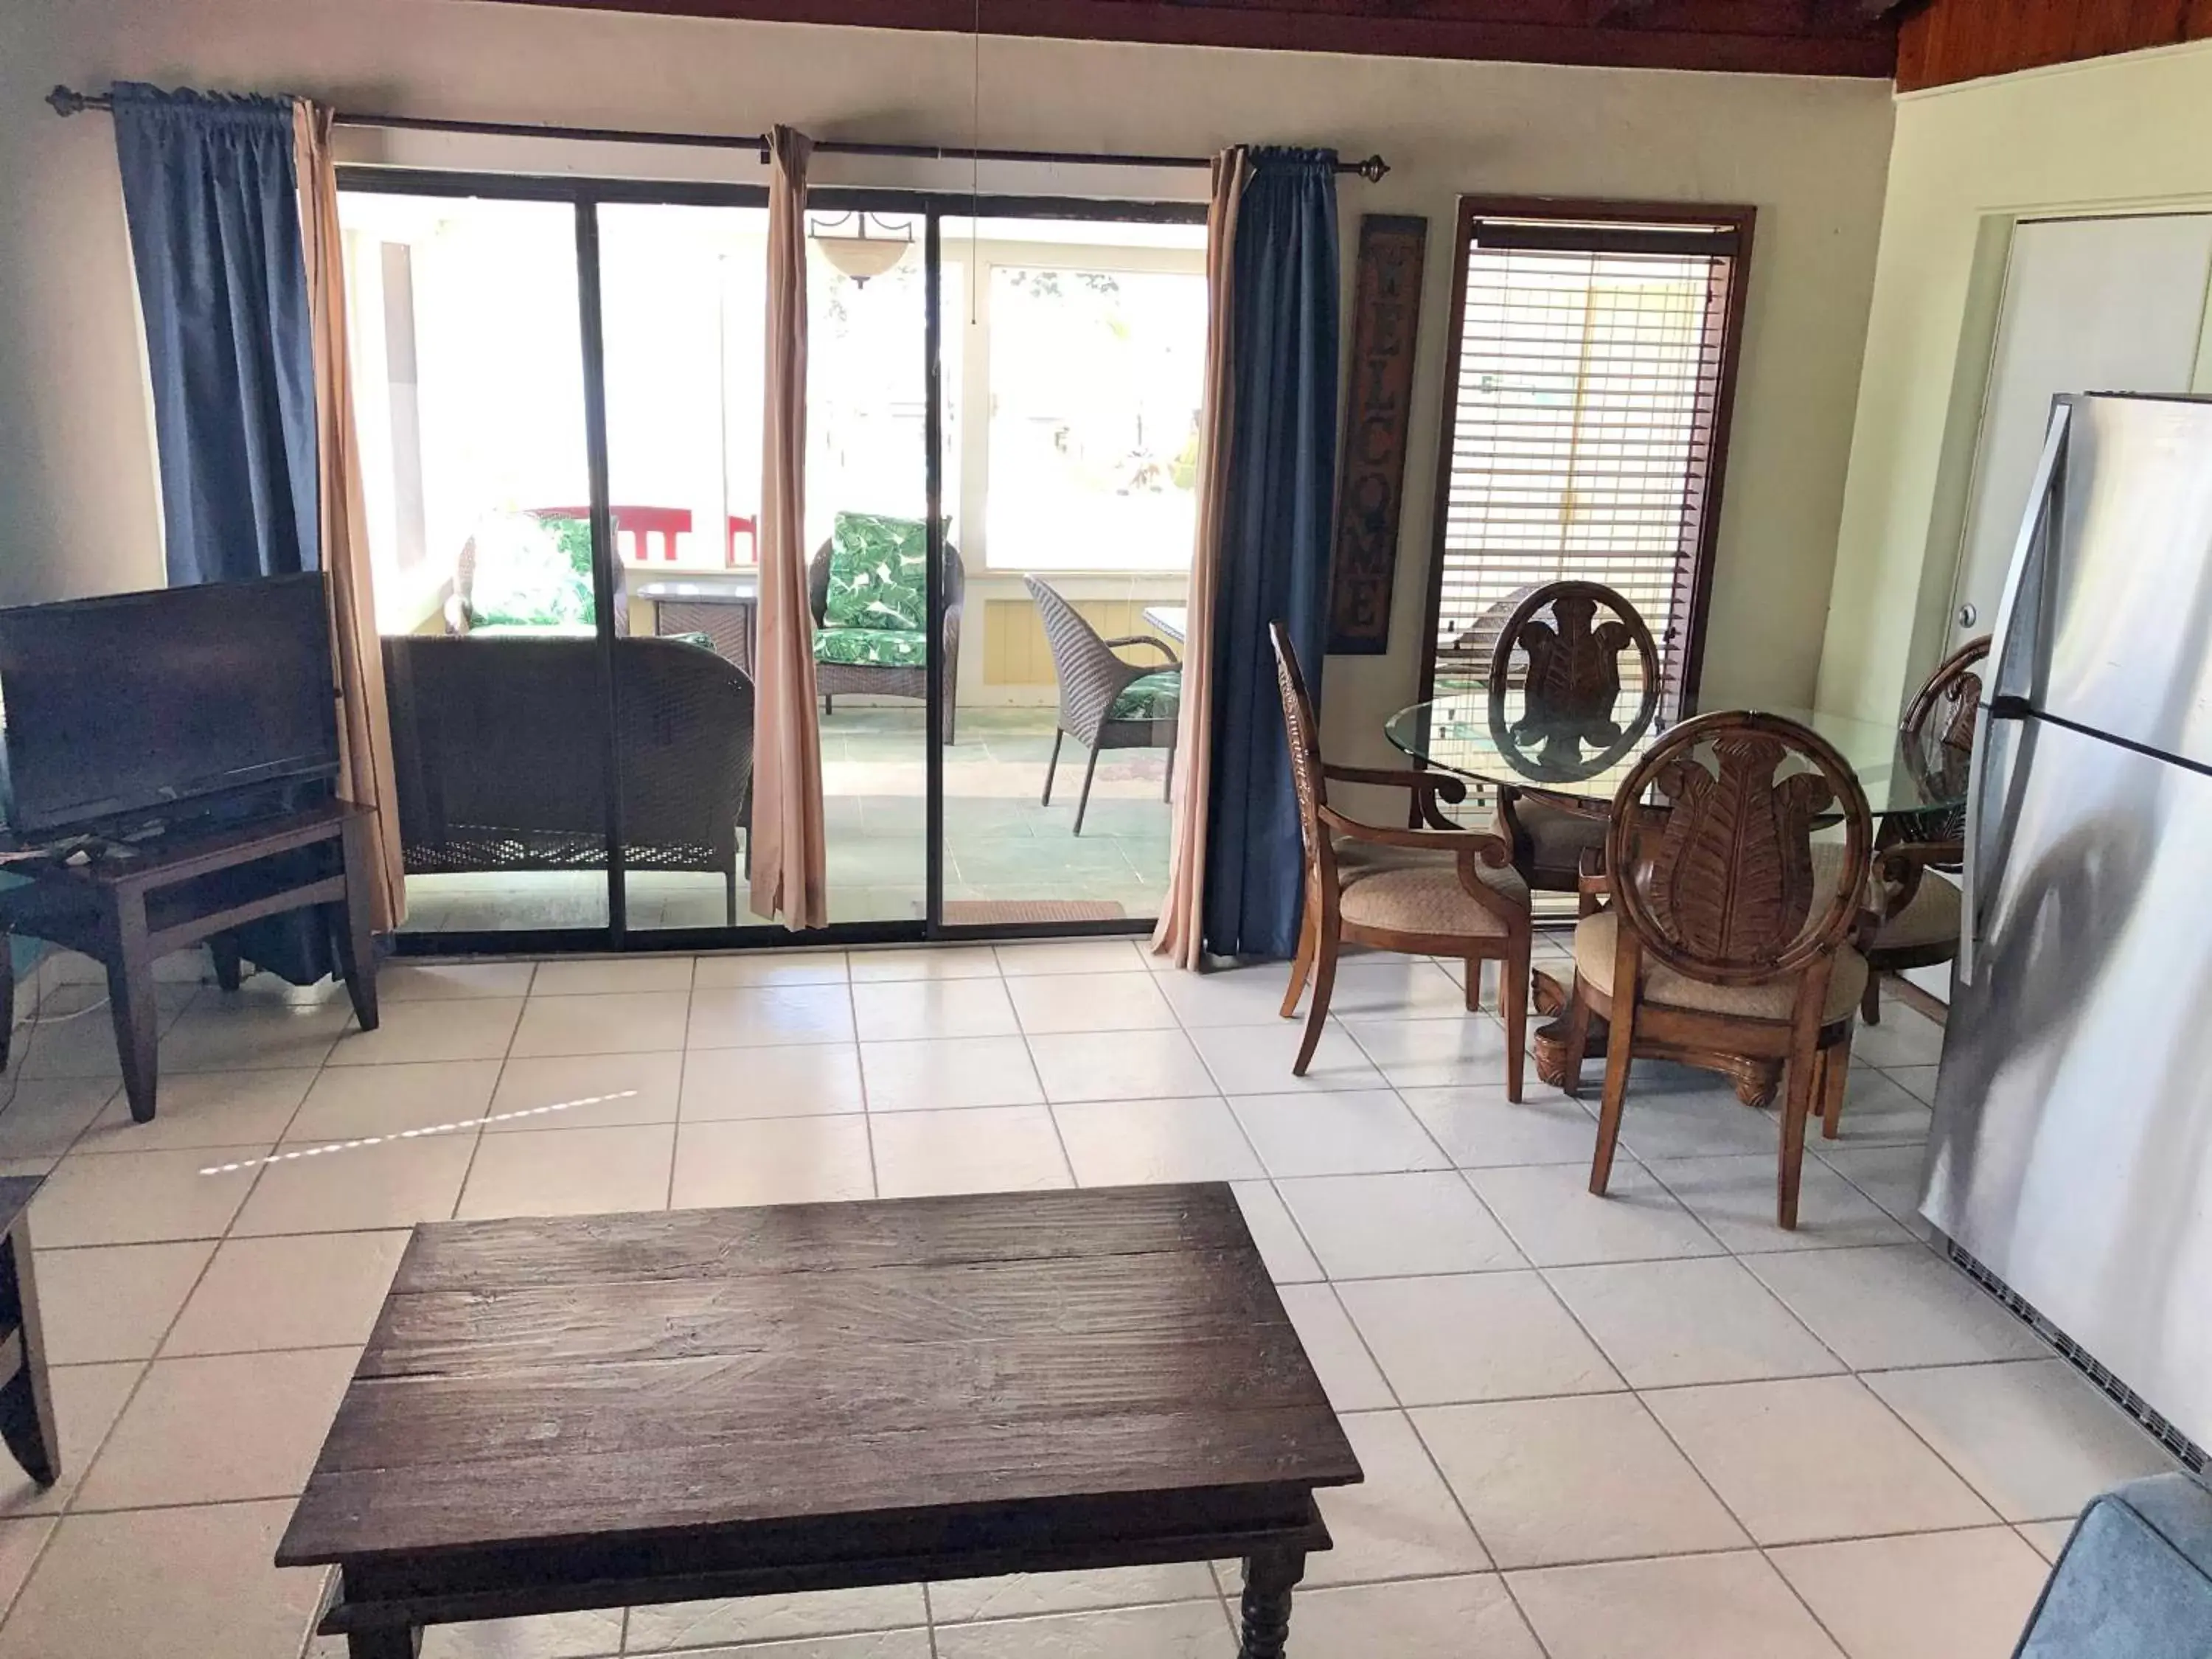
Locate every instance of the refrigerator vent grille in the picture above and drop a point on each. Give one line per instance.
(2187, 1450)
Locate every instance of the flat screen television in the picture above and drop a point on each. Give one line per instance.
(116, 713)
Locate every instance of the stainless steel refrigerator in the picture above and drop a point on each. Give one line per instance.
(2072, 1153)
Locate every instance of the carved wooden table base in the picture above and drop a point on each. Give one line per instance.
(1753, 1080)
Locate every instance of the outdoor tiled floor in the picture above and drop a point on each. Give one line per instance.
(1000, 841)
(1648, 1426)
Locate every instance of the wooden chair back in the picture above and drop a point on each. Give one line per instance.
(1561, 645)
(1937, 739)
(1718, 882)
(1303, 732)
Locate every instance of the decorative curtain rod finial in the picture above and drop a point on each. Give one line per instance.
(1372, 169)
(67, 101)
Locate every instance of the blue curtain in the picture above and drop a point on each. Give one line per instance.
(1281, 484)
(211, 194)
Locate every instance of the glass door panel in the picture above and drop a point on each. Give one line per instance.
(469, 400)
(683, 307)
(866, 526)
(1089, 336)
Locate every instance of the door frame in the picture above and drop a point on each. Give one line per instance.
(585, 195)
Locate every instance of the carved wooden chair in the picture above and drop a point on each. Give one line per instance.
(1724, 934)
(1439, 890)
(1917, 925)
(1561, 645)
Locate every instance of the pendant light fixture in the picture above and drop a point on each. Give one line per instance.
(858, 255)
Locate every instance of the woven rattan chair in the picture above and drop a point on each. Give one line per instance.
(1561, 645)
(460, 613)
(1440, 891)
(1725, 934)
(1106, 701)
(890, 679)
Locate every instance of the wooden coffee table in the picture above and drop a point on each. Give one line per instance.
(616, 1410)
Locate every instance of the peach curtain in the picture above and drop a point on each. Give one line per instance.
(1178, 934)
(365, 776)
(790, 858)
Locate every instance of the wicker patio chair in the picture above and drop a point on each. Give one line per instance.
(460, 613)
(1105, 701)
(888, 679)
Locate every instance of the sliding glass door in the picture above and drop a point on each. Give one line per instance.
(464, 315)
(1001, 448)
(1089, 337)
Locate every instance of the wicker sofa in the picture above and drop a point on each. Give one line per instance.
(495, 744)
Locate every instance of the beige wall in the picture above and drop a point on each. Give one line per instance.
(76, 476)
(2118, 135)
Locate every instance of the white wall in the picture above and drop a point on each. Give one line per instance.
(2130, 134)
(77, 505)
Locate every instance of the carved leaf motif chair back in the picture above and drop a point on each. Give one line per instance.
(1562, 646)
(1728, 942)
(1937, 737)
(1720, 881)
(1919, 922)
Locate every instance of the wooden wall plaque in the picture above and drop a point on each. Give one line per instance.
(1371, 481)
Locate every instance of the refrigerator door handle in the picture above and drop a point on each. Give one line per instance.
(2032, 537)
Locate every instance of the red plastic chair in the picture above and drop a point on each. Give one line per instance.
(639, 524)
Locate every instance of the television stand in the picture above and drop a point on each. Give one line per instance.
(127, 906)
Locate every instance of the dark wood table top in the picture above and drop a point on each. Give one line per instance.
(539, 1382)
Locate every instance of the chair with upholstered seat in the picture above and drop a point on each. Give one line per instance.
(1917, 924)
(1557, 682)
(1440, 891)
(867, 588)
(1725, 934)
(1106, 701)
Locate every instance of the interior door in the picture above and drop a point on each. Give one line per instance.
(2090, 305)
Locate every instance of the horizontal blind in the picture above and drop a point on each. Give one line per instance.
(1582, 429)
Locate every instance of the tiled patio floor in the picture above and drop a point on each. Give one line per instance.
(1646, 1425)
(1000, 842)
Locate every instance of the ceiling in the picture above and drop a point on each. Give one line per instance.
(1781, 37)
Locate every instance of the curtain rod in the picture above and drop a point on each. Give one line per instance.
(67, 101)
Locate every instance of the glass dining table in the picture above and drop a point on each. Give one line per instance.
(1581, 761)
(1498, 742)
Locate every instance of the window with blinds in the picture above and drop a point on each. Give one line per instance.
(1585, 421)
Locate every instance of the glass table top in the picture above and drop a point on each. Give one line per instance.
(1462, 732)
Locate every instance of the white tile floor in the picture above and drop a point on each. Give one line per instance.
(1649, 1425)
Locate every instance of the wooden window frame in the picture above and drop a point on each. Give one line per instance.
(1608, 226)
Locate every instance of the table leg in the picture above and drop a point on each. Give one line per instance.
(387, 1642)
(1550, 1040)
(131, 997)
(229, 967)
(350, 927)
(27, 1406)
(1269, 1577)
(1754, 1081)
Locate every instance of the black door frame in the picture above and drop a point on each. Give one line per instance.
(585, 196)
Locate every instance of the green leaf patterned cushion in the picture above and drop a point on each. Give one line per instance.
(527, 578)
(878, 572)
(881, 648)
(1151, 698)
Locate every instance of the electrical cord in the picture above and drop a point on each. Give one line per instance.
(29, 1029)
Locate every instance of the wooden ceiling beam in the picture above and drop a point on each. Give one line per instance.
(1769, 37)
